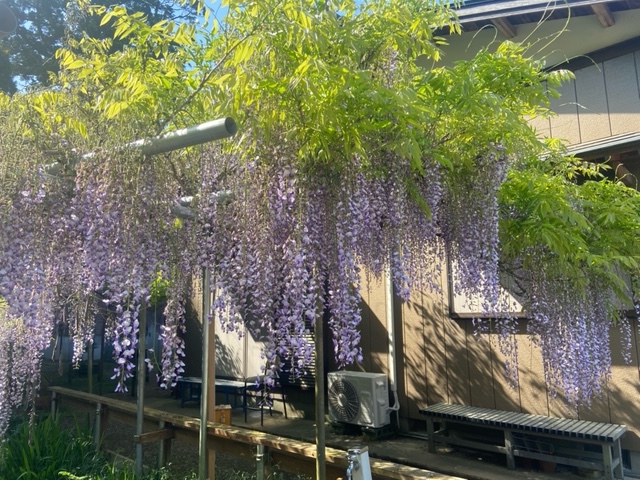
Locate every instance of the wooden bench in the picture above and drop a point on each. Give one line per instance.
(579, 443)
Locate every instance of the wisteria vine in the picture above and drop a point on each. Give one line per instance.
(288, 238)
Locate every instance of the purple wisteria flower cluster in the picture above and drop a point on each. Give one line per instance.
(69, 249)
(470, 229)
(285, 247)
(572, 327)
(290, 246)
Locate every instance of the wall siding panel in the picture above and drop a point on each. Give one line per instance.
(566, 125)
(624, 387)
(593, 110)
(377, 334)
(458, 389)
(636, 62)
(365, 327)
(507, 396)
(533, 391)
(542, 126)
(481, 386)
(422, 359)
(622, 93)
(435, 341)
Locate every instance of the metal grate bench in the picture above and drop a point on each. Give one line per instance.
(189, 389)
(539, 437)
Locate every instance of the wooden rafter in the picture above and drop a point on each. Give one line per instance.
(617, 162)
(471, 26)
(604, 15)
(505, 27)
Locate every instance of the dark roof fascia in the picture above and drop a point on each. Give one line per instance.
(599, 56)
(492, 10)
(605, 146)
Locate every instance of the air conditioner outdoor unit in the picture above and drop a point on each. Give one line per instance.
(359, 398)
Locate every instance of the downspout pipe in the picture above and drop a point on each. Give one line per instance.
(391, 338)
(8, 22)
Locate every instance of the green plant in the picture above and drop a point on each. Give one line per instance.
(46, 450)
(40, 451)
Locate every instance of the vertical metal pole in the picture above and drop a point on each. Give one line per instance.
(210, 382)
(141, 375)
(90, 365)
(391, 339)
(97, 427)
(321, 467)
(260, 462)
(54, 405)
(101, 362)
(204, 394)
(162, 451)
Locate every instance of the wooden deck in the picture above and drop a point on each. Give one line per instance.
(399, 457)
(289, 454)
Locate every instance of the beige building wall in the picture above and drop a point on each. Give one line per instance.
(441, 359)
(603, 100)
(553, 41)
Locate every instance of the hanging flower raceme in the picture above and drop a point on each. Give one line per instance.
(284, 247)
(470, 228)
(573, 332)
(122, 217)
(173, 345)
(28, 284)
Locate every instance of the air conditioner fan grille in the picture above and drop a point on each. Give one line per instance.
(343, 400)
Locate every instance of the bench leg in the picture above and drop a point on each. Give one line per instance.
(508, 444)
(617, 453)
(607, 459)
(430, 433)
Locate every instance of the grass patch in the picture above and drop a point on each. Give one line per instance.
(47, 451)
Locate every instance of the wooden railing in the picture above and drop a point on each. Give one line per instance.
(290, 455)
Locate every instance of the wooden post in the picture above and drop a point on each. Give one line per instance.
(164, 446)
(54, 405)
(207, 456)
(140, 374)
(97, 426)
(321, 467)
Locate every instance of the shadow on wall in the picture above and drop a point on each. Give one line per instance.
(193, 341)
(625, 410)
(228, 360)
(445, 361)
(441, 359)
(229, 363)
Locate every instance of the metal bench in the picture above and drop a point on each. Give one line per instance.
(561, 440)
(254, 390)
(190, 389)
